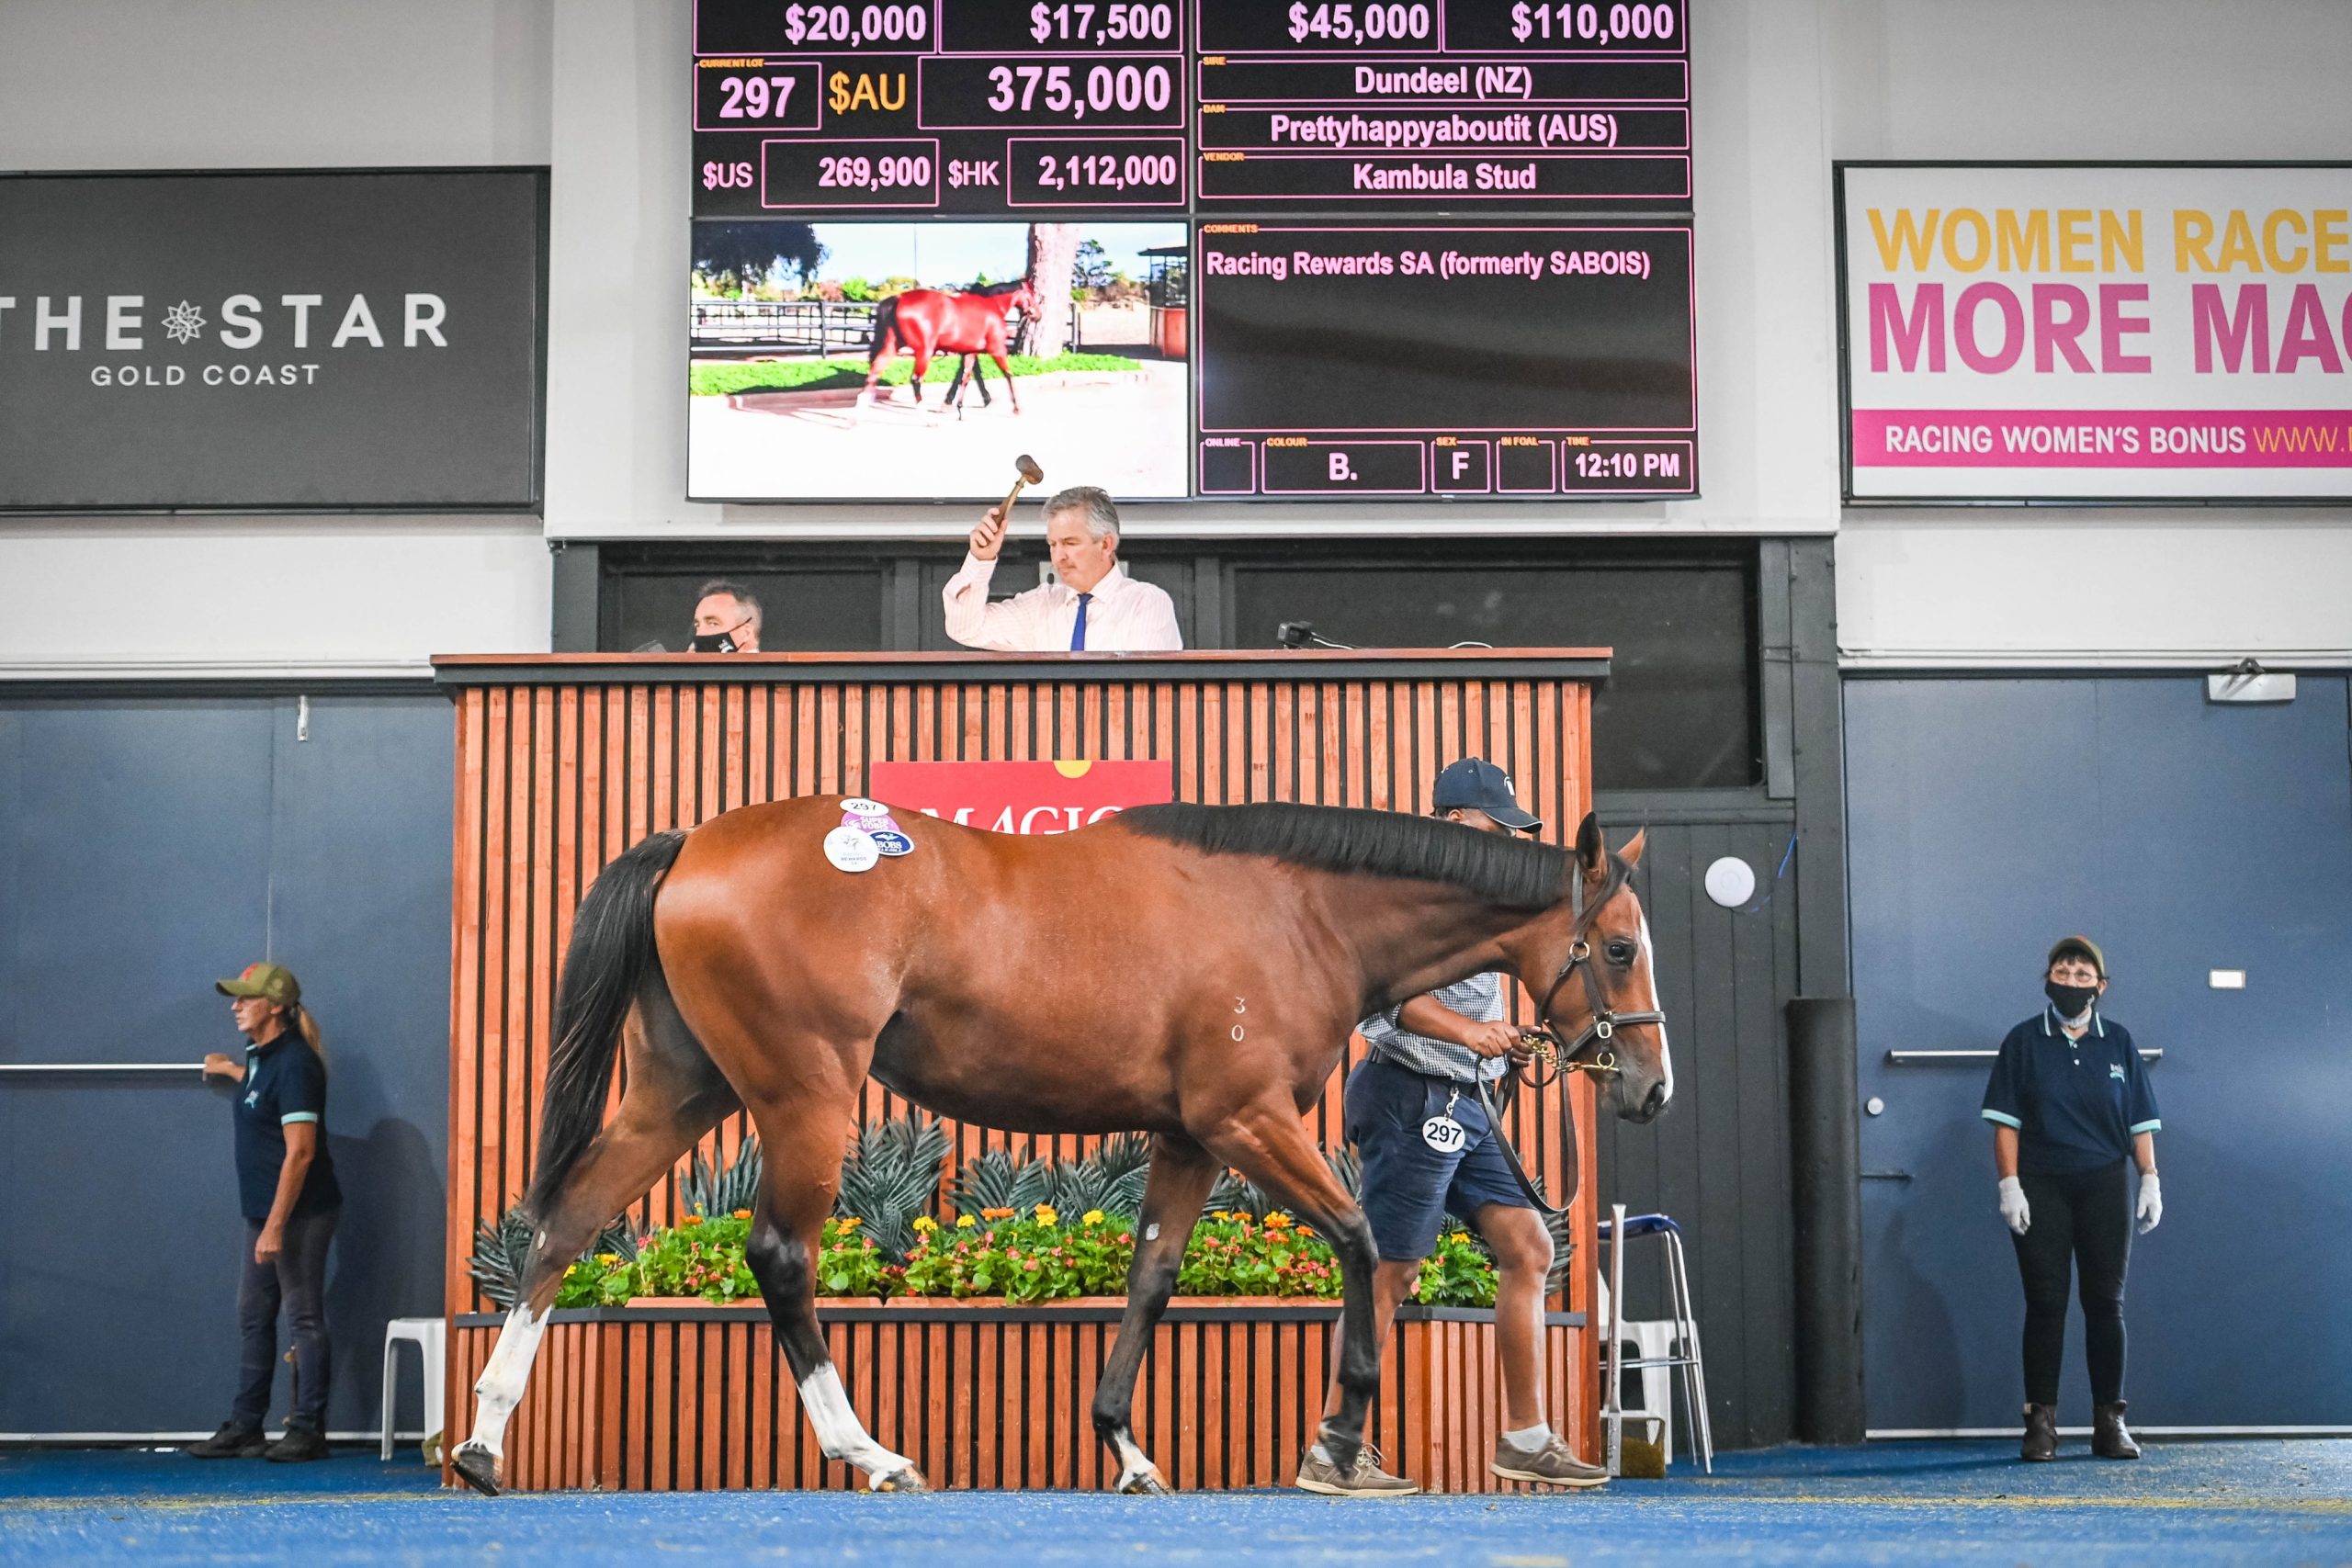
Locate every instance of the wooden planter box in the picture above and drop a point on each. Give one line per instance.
(982, 1394)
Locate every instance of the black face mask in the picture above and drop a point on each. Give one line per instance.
(711, 642)
(2070, 1000)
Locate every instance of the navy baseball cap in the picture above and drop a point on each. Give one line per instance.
(1476, 785)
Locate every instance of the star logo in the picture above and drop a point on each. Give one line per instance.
(182, 321)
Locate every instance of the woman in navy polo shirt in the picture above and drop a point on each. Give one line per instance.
(286, 1189)
(2070, 1106)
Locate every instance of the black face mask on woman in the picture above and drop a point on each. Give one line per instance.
(2070, 1000)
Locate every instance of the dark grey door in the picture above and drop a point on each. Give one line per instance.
(148, 847)
(1717, 1161)
(1987, 817)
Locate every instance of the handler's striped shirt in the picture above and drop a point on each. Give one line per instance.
(1480, 997)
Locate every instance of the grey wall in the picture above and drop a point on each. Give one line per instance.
(149, 846)
(1990, 817)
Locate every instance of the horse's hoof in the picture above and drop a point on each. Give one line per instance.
(907, 1480)
(1146, 1484)
(476, 1469)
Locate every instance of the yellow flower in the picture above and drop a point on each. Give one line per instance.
(1222, 1214)
(692, 1219)
(1459, 1238)
(964, 1222)
(851, 1222)
(1277, 1220)
(925, 1224)
(1045, 1215)
(609, 1258)
(1093, 1216)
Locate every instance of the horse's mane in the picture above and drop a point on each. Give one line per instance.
(994, 290)
(1512, 872)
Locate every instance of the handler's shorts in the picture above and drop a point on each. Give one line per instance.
(1408, 1186)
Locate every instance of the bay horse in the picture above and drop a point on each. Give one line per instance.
(1188, 970)
(927, 322)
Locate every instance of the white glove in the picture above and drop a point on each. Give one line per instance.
(2151, 1202)
(2014, 1210)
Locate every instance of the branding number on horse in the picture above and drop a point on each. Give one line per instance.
(850, 848)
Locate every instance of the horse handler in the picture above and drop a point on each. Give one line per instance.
(1413, 1112)
(286, 1189)
(2070, 1107)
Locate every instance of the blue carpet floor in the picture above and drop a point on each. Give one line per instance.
(1968, 1502)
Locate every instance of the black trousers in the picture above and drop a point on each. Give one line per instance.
(2080, 1225)
(297, 1278)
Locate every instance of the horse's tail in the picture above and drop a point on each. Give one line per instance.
(611, 945)
(886, 322)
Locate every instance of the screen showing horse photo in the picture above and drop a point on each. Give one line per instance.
(878, 361)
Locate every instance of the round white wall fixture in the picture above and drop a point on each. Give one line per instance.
(1731, 882)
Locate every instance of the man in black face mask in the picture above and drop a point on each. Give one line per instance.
(727, 619)
(2072, 1108)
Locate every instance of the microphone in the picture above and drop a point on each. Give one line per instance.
(1302, 634)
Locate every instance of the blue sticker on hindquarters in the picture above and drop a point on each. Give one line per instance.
(891, 843)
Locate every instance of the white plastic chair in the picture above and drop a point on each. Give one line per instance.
(430, 1334)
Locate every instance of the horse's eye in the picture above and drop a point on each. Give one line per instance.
(1621, 952)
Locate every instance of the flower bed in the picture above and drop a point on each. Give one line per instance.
(1022, 1259)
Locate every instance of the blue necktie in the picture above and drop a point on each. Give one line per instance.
(1078, 632)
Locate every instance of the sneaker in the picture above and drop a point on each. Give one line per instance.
(1363, 1479)
(299, 1444)
(232, 1441)
(1551, 1465)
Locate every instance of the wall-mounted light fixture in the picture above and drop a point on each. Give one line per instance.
(2248, 681)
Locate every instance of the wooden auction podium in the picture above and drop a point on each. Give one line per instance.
(565, 759)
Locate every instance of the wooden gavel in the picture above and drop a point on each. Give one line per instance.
(1030, 474)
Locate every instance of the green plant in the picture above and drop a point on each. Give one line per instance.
(698, 1256)
(711, 1190)
(891, 1177)
(1457, 1272)
(1236, 1253)
(502, 1252)
(1030, 1256)
(1000, 1180)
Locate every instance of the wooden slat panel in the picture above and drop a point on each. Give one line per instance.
(554, 779)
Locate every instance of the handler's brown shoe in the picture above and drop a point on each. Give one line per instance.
(1362, 1479)
(2110, 1439)
(1551, 1465)
(2040, 1433)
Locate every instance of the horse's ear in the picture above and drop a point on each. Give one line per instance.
(1631, 853)
(1592, 851)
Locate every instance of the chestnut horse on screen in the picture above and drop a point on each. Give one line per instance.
(925, 323)
(1188, 970)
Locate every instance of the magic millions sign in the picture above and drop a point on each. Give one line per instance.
(364, 340)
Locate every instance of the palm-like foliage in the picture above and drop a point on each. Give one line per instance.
(503, 1251)
(712, 1191)
(890, 1179)
(999, 1179)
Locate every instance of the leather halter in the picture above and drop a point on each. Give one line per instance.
(1571, 1054)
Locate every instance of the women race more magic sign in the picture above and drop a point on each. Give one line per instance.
(2096, 332)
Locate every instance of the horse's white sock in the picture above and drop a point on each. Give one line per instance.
(499, 1388)
(839, 1431)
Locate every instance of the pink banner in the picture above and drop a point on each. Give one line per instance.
(2102, 438)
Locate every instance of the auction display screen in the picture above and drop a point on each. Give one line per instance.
(1191, 248)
